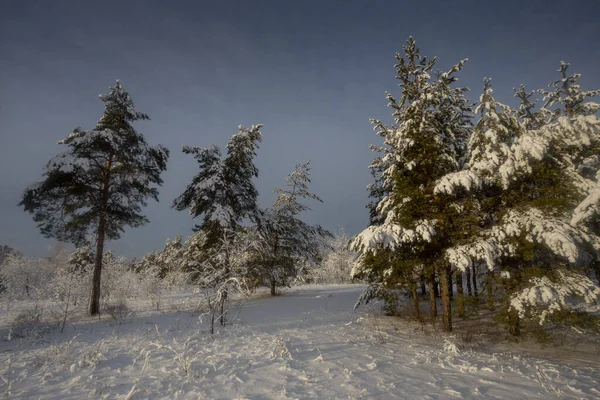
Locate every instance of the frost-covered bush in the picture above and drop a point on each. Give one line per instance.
(162, 271)
(29, 323)
(337, 264)
(153, 286)
(24, 277)
(70, 285)
(224, 274)
(118, 311)
(119, 283)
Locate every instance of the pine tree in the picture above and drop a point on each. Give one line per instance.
(528, 163)
(161, 262)
(580, 138)
(100, 183)
(427, 141)
(286, 238)
(224, 194)
(223, 191)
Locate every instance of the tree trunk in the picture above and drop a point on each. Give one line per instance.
(273, 286)
(490, 290)
(447, 314)
(66, 314)
(432, 299)
(273, 262)
(416, 301)
(212, 307)
(450, 288)
(468, 277)
(514, 323)
(596, 268)
(460, 298)
(475, 290)
(222, 318)
(95, 298)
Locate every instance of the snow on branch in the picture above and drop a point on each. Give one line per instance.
(463, 257)
(579, 131)
(527, 148)
(392, 236)
(68, 163)
(589, 207)
(561, 238)
(449, 183)
(543, 297)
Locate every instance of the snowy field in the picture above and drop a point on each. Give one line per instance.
(306, 344)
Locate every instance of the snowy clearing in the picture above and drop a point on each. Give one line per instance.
(308, 343)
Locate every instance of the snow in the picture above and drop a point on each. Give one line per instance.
(562, 238)
(590, 206)
(392, 236)
(450, 182)
(306, 344)
(548, 297)
(463, 256)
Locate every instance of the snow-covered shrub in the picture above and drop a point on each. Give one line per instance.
(224, 274)
(118, 311)
(544, 297)
(280, 349)
(183, 353)
(450, 347)
(24, 277)
(70, 285)
(338, 262)
(153, 287)
(118, 283)
(56, 354)
(30, 323)
(161, 271)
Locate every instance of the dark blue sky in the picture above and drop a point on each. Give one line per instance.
(313, 72)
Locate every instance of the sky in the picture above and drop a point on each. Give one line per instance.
(313, 72)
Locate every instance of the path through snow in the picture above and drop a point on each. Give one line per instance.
(306, 344)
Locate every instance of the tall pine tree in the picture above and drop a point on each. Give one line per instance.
(427, 141)
(100, 183)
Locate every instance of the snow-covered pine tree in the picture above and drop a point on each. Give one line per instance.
(223, 193)
(528, 163)
(579, 128)
(427, 141)
(100, 183)
(285, 237)
(162, 263)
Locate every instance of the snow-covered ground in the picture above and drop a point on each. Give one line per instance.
(307, 344)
